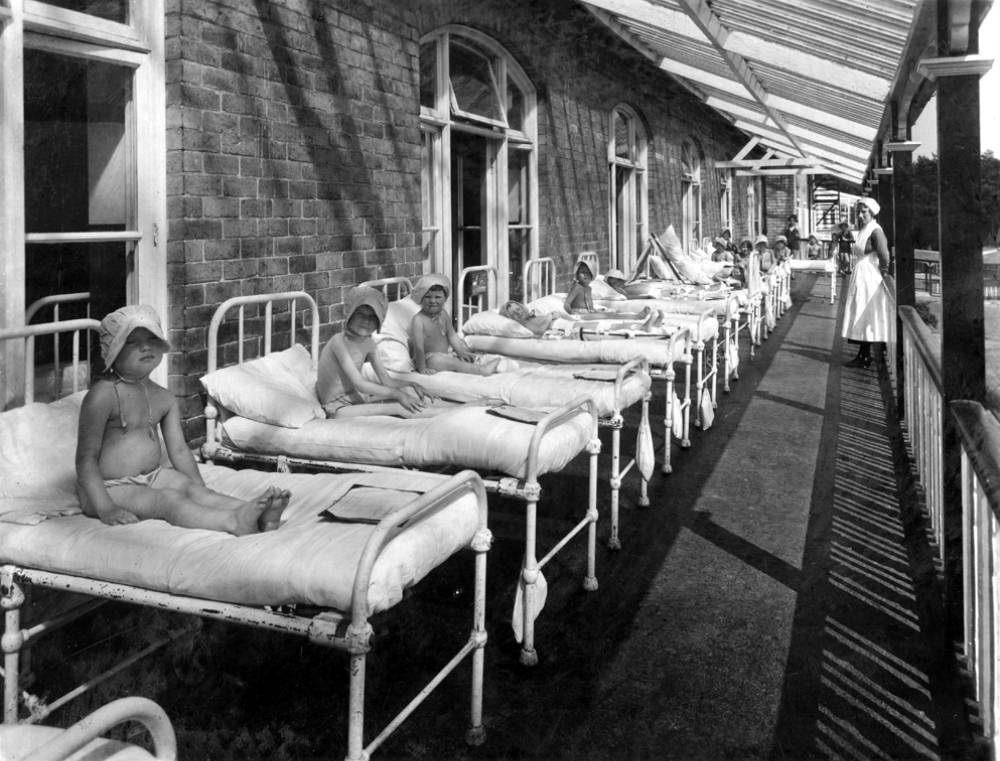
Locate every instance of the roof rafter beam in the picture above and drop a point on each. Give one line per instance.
(824, 157)
(846, 127)
(701, 13)
(751, 144)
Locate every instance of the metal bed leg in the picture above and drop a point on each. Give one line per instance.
(13, 639)
(476, 734)
(699, 355)
(360, 645)
(529, 573)
(614, 543)
(668, 416)
(686, 439)
(590, 580)
(715, 377)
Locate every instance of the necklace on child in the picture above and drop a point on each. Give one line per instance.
(121, 408)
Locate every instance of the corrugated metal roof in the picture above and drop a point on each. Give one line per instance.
(809, 78)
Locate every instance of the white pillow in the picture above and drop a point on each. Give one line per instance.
(395, 356)
(600, 289)
(492, 323)
(396, 325)
(37, 460)
(279, 389)
(551, 303)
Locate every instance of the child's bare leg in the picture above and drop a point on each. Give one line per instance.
(395, 409)
(456, 365)
(175, 507)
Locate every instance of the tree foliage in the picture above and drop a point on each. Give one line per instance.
(925, 204)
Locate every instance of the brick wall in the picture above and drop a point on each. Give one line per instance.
(293, 156)
(294, 145)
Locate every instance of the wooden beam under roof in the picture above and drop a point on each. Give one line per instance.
(701, 13)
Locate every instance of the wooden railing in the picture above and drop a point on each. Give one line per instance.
(923, 412)
(979, 433)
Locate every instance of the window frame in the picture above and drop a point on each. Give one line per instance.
(635, 191)
(444, 117)
(138, 45)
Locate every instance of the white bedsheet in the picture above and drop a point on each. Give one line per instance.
(545, 387)
(467, 436)
(307, 560)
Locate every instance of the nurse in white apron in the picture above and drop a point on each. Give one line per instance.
(867, 308)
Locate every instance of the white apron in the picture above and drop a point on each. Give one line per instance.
(867, 309)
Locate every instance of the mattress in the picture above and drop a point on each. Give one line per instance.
(469, 436)
(308, 559)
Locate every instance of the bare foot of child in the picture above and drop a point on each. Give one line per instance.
(271, 517)
(247, 515)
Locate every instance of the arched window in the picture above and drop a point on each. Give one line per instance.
(478, 180)
(627, 161)
(691, 194)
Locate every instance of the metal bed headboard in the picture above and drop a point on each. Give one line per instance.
(240, 303)
(393, 288)
(539, 278)
(28, 333)
(473, 301)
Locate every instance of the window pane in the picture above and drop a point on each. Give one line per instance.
(515, 106)
(622, 147)
(517, 187)
(517, 252)
(473, 83)
(75, 144)
(60, 268)
(428, 74)
(112, 10)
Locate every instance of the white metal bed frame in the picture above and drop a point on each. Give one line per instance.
(526, 489)
(680, 343)
(350, 630)
(540, 280)
(540, 273)
(399, 287)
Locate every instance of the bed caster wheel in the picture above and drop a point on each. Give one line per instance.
(614, 543)
(475, 736)
(666, 470)
(686, 444)
(590, 583)
(643, 501)
(529, 657)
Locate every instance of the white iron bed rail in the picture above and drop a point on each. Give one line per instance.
(349, 630)
(526, 489)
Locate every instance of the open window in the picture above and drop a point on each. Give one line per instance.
(628, 212)
(480, 165)
(691, 162)
(84, 208)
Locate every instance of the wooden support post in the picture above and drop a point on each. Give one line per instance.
(963, 364)
(902, 191)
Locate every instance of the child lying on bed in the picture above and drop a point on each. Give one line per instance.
(540, 323)
(434, 344)
(342, 389)
(119, 476)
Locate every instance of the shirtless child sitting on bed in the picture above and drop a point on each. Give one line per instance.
(342, 389)
(119, 476)
(433, 338)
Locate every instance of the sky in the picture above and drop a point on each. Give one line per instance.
(925, 129)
